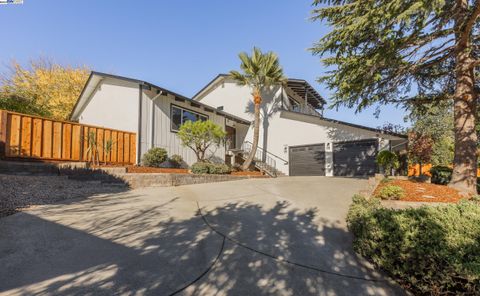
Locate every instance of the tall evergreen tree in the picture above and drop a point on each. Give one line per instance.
(407, 52)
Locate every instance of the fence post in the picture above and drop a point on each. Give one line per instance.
(3, 133)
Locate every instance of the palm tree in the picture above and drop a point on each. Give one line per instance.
(259, 71)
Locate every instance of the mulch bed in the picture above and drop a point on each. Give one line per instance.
(424, 192)
(248, 173)
(145, 170)
(133, 169)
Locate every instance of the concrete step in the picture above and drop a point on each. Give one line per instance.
(27, 168)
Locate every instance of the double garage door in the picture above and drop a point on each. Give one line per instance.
(350, 159)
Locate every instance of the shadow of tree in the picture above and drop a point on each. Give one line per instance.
(237, 248)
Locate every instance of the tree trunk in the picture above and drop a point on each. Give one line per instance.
(464, 177)
(257, 100)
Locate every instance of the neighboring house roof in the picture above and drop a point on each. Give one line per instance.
(95, 77)
(301, 87)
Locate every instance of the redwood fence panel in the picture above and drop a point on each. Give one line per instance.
(25, 136)
(414, 170)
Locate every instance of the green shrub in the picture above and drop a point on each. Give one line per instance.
(386, 180)
(391, 192)
(210, 168)
(176, 160)
(388, 161)
(221, 169)
(429, 250)
(200, 168)
(441, 174)
(154, 157)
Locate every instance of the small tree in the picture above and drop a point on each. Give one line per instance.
(92, 148)
(107, 147)
(388, 160)
(420, 148)
(201, 135)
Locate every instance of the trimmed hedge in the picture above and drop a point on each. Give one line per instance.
(442, 175)
(391, 192)
(429, 250)
(176, 160)
(210, 168)
(154, 157)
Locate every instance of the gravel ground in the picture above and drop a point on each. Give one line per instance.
(19, 192)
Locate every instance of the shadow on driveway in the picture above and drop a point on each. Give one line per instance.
(151, 251)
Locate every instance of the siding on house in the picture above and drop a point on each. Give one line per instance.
(162, 136)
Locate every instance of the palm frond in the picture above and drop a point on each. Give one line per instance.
(259, 70)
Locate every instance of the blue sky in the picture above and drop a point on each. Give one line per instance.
(180, 45)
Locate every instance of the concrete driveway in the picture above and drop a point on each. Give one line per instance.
(284, 236)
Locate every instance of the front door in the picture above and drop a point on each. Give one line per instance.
(230, 142)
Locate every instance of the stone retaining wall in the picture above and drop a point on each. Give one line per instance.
(156, 179)
(111, 175)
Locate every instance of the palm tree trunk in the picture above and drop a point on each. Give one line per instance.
(257, 99)
(464, 177)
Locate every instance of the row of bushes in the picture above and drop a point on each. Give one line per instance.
(443, 174)
(158, 157)
(429, 250)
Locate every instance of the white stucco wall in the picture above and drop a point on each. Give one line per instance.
(281, 129)
(114, 104)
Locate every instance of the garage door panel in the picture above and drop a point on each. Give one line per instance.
(355, 158)
(307, 160)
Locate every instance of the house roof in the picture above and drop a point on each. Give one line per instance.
(95, 77)
(301, 87)
(335, 121)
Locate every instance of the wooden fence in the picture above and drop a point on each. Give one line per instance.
(32, 137)
(414, 170)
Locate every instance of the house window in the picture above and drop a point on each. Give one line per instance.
(180, 115)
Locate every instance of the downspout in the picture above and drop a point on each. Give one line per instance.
(152, 121)
(139, 130)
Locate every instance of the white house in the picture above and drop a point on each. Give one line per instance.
(152, 112)
(295, 134)
(295, 138)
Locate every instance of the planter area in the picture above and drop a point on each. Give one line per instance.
(140, 176)
(422, 192)
(143, 170)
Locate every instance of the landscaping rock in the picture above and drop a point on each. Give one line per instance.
(17, 192)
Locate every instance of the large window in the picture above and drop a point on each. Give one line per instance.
(180, 115)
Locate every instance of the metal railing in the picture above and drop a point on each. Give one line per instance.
(304, 109)
(263, 159)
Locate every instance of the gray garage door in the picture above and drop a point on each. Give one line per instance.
(355, 158)
(307, 160)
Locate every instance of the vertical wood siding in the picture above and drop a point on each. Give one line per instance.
(33, 137)
(167, 139)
